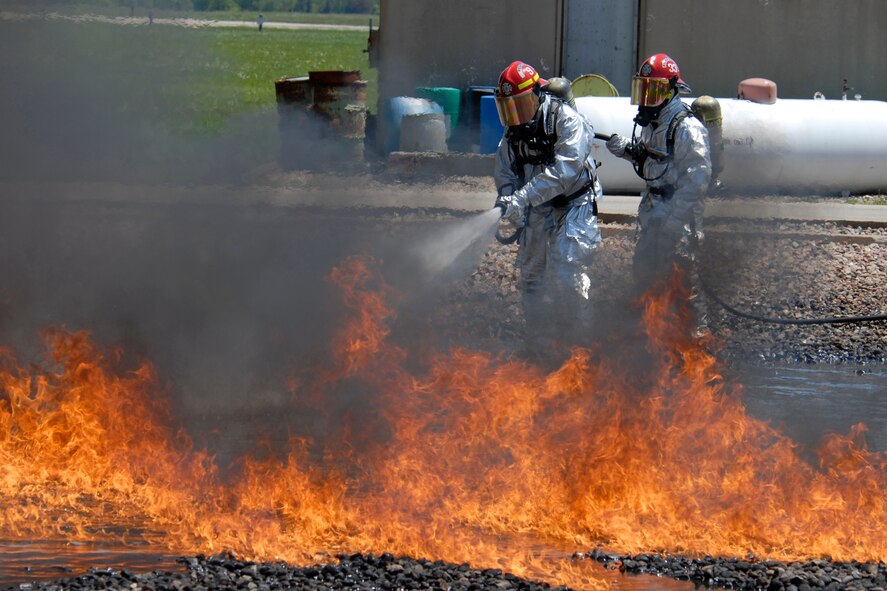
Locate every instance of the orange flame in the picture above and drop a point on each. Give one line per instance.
(475, 458)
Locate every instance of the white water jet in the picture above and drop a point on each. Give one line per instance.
(458, 248)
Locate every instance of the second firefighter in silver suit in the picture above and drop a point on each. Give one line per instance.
(672, 155)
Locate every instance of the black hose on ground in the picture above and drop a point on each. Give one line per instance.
(509, 239)
(842, 320)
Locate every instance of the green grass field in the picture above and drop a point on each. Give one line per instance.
(193, 80)
(242, 77)
(359, 20)
(143, 8)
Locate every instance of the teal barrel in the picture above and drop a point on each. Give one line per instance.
(450, 99)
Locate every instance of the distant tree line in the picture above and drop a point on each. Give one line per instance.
(310, 6)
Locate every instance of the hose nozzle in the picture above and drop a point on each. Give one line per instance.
(501, 204)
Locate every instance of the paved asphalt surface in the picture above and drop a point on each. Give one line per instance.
(613, 207)
(405, 196)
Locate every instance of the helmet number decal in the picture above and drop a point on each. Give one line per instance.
(670, 65)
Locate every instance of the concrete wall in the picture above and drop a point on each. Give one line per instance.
(600, 37)
(461, 43)
(803, 45)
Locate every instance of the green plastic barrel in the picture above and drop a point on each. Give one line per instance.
(448, 98)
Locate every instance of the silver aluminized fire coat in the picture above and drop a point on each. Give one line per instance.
(672, 204)
(673, 200)
(562, 238)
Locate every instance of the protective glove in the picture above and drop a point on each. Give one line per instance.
(619, 145)
(515, 210)
(502, 202)
(507, 225)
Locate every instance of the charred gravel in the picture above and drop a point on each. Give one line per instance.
(734, 573)
(356, 572)
(366, 572)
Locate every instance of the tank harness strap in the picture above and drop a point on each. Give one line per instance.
(670, 135)
(535, 146)
(667, 191)
(554, 109)
(562, 201)
(664, 192)
(673, 129)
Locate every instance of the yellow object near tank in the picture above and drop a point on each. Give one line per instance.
(593, 85)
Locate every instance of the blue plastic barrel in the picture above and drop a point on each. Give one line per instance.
(491, 129)
(472, 104)
(393, 113)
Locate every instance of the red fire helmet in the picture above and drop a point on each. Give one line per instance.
(660, 66)
(657, 77)
(515, 99)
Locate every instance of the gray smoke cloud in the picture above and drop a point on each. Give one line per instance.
(69, 113)
(112, 222)
(155, 240)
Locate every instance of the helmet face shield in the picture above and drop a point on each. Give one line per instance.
(650, 92)
(517, 109)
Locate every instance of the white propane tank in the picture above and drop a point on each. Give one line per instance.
(792, 146)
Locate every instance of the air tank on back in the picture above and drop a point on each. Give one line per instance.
(791, 146)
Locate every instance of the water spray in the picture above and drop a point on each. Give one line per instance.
(458, 242)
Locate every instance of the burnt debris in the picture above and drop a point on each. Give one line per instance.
(735, 573)
(356, 572)
(365, 572)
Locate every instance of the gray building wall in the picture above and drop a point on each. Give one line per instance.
(461, 43)
(803, 45)
(600, 37)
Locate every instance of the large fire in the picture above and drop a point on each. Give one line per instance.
(475, 458)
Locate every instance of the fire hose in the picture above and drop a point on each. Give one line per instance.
(767, 319)
(507, 239)
(776, 320)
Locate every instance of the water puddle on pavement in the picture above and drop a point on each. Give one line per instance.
(807, 402)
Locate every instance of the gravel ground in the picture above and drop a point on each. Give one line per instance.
(800, 271)
(774, 270)
(354, 572)
(359, 572)
(770, 269)
(732, 573)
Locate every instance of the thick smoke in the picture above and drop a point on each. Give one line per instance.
(112, 222)
(155, 239)
(71, 114)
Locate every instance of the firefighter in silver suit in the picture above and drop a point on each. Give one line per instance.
(672, 155)
(548, 189)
